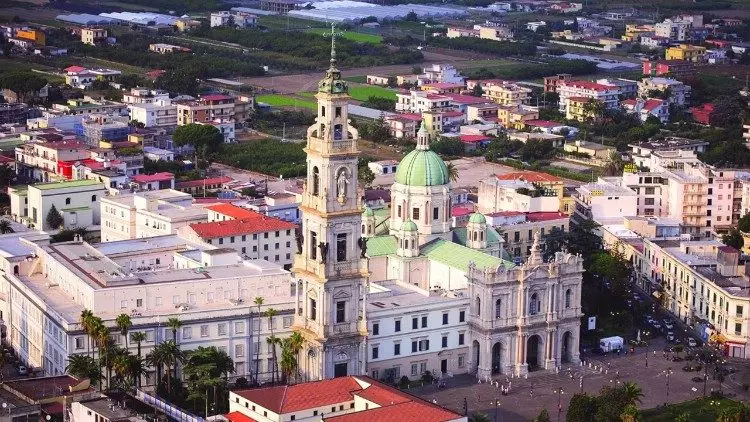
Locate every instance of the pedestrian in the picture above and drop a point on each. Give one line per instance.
(654, 352)
(646, 361)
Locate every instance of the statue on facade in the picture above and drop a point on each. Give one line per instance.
(323, 246)
(362, 243)
(299, 238)
(341, 182)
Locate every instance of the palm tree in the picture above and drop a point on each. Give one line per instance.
(296, 341)
(166, 355)
(272, 341)
(5, 227)
(121, 366)
(84, 366)
(629, 414)
(452, 172)
(613, 166)
(270, 313)
(138, 337)
(288, 360)
(101, 334)
(633, 392)
(86, 320)
(174, 324)
(258, 302)
(124, 323)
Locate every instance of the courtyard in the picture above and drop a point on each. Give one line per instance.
(661, 379)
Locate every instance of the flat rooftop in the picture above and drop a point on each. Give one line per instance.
(394, 296)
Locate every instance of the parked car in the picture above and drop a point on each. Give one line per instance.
(22, 370)
(670, 336)
(691, 342)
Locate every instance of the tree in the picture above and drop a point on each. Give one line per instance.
(452, 172)
(364, 174)
(83, 366)
(630, 414)
(272, 342)
(174, 324)
(166, 355)
(54, 219)
(682, 417)
(727, 110)
(179, 81)
(124, 323)
(411, 17)
(633, 392)
(448, 146)
(543, 416)
(479, 417)
(5, 227)
(744, 223)
(206, 139)
(7, 175)
(258, 301)
(734, 239)
(104, 341)
(614, 164)
(23, 83)
(478, 91)
(581, 408)
(206, 368)
(86, 320)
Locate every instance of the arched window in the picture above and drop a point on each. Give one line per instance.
(477, 305)
(338, 132)
(363, 228)
(534, 304)
(67, 201)
(323, 111)
(93, 198)
(481, 236)
(15, 269)
(474, 236)
(568, 297)
(498, 309)
(316, 181)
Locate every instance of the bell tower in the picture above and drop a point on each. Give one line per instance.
(329, 265)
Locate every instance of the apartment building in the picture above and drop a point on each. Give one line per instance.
(674, 30)
(210, 290)
(77, 201)
(518, 228)
(515, 117)
(148, 214)
(641, 153)
(650, 107)
(234, 19)
(573, 94)
(66, 116)
(162, 48)
(205, 109)
(422, 101)
(39, 160)
(102, 127)
(404, 125)
(685, 52)
(520, 192)
(679, 93)
(551, 82)
(601, 200)
(507, 94)
(35, 36)
(154, 114)
(80, 77)
(145, 96)
(442, 73)
(251, 234)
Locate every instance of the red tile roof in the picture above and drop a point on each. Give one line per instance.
(652, 104)
(156, 177)
(629, 102)
(293, 398)
(529, 176)
(544, 216)
(4, 159)
(257, 223)
(232, 211)
(216, 97)
(201, 182)
(466, 99)
(443, 85)
(580, 99)
(404, 412)
(238, 417)
(436, 97)
(452, 113)
(74, 69)
(473, 139)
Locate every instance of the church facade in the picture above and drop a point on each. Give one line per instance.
(397, 292)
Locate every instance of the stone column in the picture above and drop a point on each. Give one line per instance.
(484, 367)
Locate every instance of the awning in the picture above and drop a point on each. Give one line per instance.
(717, 338)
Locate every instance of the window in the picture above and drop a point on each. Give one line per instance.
(375, 328)
(445, 318)
(313, 309)
(313, 245)
(79, 343)
(477, 305)
(398, 211)
(375, 350)
(460, 339)
(461, 316)
(338, 112)
(341, 247)
(424, 345)
(435, 213)
(187, 332)
(414, 323)
(498, 309)
(67, 201)
(341, 311)
(414, 369)
(397, 349)
(738, 328)
(415, 214)
(461, 361)
(316, 180)
(444, 341)
(414, 346)
(424, 322)
(534, 304)
(568, 297)
(93, 198)
(222, 329)
(397, 326)
(239, 350)
(204, 330)
(239, 327)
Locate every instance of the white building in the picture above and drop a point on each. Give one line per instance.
(154, 114)
(679, 93)
(77, 201)
(441, 73)
(233, 18)
(600, 201)
(606, 94)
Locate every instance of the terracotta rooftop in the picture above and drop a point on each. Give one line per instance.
(293, 398)
(156, 177)
(528, 176)
(257, 223)
(587, 85)
(232, 211)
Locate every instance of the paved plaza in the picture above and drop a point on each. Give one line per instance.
(529, 395)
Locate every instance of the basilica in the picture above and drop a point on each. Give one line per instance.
(399, 291)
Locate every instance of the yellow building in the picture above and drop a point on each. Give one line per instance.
(513, 117)
(593, 149)
(507, 94)
(34, 35)
(575, 108)
(685, 52)
(184, 25)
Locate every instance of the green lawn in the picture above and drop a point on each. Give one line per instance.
(700, 410)
(360, 79)
(285, 101)
(352, 36)
(363, 92)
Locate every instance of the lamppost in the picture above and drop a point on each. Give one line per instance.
(667, 372)
(559, 393)
(496, 403)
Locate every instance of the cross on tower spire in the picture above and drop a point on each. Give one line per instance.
(333, 35)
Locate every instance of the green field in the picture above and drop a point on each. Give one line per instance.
(363, 92)
(352, 36)
(276, 100)
(699, 410)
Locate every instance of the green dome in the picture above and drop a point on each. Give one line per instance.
(477, 218)
(409, 226)
(368, 212)
(422, 168)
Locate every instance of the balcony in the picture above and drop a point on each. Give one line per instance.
(342, 328)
